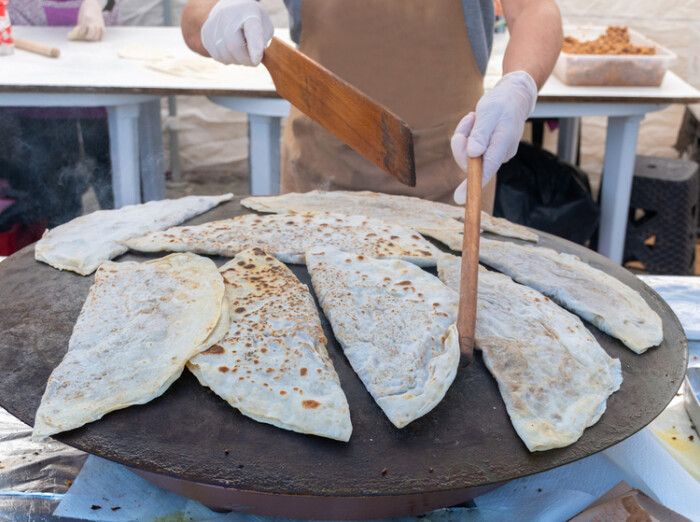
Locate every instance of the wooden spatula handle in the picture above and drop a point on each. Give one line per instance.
(466, 318)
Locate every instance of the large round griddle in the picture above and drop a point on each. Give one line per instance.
(191, 441)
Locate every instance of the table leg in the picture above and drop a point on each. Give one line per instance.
(264, 154)
(124, 150)
(618, 171)
(568, 139)
(151, 151)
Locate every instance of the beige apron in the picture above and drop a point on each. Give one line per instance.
(412, 56)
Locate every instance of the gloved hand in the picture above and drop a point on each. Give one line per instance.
(91, 23)
(494, 129)
(237, 31)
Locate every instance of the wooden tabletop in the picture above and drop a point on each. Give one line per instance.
(96, 68)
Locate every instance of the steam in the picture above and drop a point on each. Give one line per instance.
(50, 162)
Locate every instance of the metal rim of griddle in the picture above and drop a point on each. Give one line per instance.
(190, 441)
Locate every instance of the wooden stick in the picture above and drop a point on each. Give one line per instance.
(35, 47)
(466, 318)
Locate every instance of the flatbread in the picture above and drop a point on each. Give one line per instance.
(272, 365)
(287, 236)
(77, 34)
(83, 243)
(396, 324)
(597, 297)
(194, 66)
(505, 228)
(431, 218)
(553, 375)
(145, 52)
(139, 325)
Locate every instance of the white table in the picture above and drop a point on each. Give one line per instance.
(92, 75)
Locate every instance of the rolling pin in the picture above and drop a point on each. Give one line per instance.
(34, 47)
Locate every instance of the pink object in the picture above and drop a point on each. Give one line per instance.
(5, 203)
(62, 13)
(6, 44)
(45, 12)
(53, 12)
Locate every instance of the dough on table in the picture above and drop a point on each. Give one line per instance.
(145, 52)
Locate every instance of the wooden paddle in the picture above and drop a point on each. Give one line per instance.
(370, 129)
(466, 317)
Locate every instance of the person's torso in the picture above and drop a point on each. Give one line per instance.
(478, 17)
(53, 12)
(413, 57)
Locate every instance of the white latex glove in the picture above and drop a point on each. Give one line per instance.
(91, 23)
(237, 31)
(494, 129)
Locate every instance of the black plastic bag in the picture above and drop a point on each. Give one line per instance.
(538, 190)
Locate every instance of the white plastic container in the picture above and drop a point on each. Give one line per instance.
(612, 70)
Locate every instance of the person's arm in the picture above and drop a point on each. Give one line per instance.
(230, 31)
(494, 129)
(535, 37)
(193, 17)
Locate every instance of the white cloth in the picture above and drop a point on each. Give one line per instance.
(682, 293)
(119, 495)
(654, 471)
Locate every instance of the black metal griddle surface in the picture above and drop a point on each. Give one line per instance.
(189, 432)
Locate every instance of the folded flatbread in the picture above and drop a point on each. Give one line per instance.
(83, 243)
(272, 365)
(505, 228)
(396, 324)
(140, 324)
(434, 219)
(595, 296)
(287, 236)
(553, 375)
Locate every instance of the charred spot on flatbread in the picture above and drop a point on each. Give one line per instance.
(275, 339)
(217, 349)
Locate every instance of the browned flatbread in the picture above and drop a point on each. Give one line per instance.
(431, 218)
(272, 364)
(287, 236)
